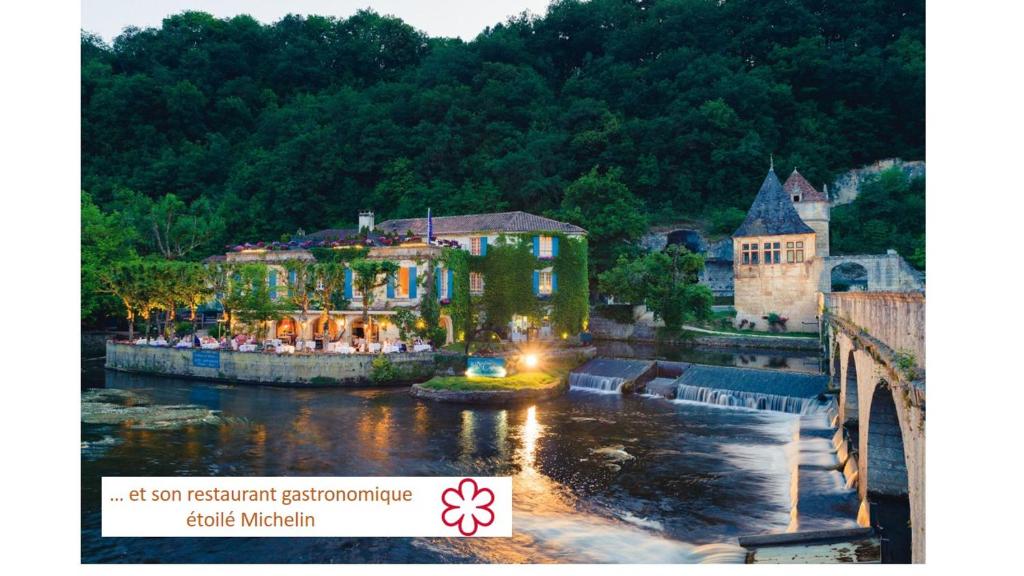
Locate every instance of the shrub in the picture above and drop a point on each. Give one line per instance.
(383, 370)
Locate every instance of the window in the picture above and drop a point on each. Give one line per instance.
(796, 198)
(476, 282)
(767, 252)
(794, 252)
(750, 254)
(545, 247)
(402, 283)
(474, 246)
(545, 283)
(776, 252)
(444, 283)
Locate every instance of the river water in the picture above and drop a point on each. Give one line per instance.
(597, 477)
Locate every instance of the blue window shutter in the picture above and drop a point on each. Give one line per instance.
(536, 246)
(451, 281)
(437, 281)
(391, 286)
(412, 282)
(291, 282)
(273, 285)
(554, 245)
(348, 283)
(554, 282)
(483, 246)
(536, 282)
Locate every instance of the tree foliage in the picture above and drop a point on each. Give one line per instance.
(309, 118)
(888, 213)
(666, 282)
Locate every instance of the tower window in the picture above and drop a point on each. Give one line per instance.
(796, 198)
(749, 253)
(794, 252)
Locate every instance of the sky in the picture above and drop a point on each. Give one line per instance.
(450, 18)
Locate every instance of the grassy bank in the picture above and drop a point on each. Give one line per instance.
(522, 381)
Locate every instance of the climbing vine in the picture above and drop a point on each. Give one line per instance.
(460, 307)
(508, 281)
(570, 305)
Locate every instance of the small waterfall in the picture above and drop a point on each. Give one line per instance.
(755, 400)
(596, 383)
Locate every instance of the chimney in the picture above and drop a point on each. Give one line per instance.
(366, 220)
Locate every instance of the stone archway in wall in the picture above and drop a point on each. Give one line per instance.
(287, 329)
(446, 323)
(847, 277)
(888, 487)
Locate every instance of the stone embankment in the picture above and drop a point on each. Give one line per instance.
(257, 368)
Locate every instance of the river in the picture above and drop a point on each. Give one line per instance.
(597, 477)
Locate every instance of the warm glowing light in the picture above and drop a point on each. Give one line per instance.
(421, 324)
(565, 335)
(530, 360)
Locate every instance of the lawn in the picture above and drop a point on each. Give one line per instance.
(522, 381)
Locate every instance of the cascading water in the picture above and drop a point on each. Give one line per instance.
(595, 382)
(754, 400)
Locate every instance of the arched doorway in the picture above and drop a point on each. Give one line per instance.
(888, 488)
(318, 330)
(849, 277)
(287, 329)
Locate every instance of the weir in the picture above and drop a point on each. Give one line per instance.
(611, 375)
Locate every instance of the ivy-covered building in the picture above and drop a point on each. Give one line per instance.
(512, 271)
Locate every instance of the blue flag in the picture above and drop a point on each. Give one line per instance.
(430, 227)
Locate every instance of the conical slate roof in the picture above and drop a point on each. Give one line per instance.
(797, 184)
(772, 212)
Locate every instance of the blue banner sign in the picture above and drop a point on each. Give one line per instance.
(206, 358)
(492, 367)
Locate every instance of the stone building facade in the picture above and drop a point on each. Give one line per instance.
(775, 262)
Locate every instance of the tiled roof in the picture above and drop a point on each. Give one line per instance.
(772, 212)
(797, 184)
(510, 222)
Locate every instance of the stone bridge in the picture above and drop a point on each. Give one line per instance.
(887, 272)
(875, 343)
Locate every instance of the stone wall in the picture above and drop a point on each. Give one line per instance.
(301, 370)
(787, 289)
(895, 318)
(887, 272)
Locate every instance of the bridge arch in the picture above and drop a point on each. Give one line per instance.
(849, 393)
(887, 484)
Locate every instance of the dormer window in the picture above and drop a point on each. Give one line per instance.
(796, 198)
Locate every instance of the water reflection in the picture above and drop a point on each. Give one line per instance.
(693, 478)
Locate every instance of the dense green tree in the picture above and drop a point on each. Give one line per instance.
(611, 214)
(888, 213)
(243, 131)
(666, 282)
(106, 242)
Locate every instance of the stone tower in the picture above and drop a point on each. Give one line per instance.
(813, 208)
(775, 263)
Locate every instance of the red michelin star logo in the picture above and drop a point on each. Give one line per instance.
(468, 507)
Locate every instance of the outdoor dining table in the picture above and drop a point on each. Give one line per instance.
(374, 347)
(211, 346)
(420, 347)
(390, 349)
(285, 349)
(247, 348)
